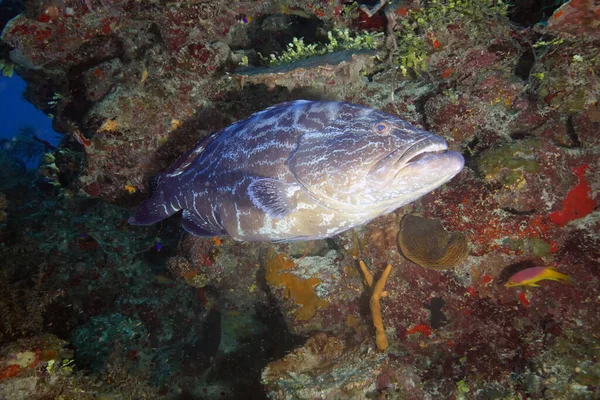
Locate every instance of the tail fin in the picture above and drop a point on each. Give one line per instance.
(557, 276)
(156, 208)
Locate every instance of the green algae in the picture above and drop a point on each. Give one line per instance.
(538, 247)
(507, 162)
(338, 40)
(417, 31)
(532, 246)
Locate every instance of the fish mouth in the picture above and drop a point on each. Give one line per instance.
(421, 150)
(391, 165)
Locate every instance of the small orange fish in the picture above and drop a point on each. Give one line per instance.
(130, 189)
(531, 276)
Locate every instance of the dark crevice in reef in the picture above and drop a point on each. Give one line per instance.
(519, 212)
(512, 269)
(520, 135)
(420, 106)
(278, 337)
(469, 154)
(437, 318)
(570, 127)
(531, 12)
(525, 64)
(272, 33)
(242, 369)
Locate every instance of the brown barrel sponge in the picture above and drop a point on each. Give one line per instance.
(427, 243)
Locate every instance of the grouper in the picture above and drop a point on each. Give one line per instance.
(300, 170)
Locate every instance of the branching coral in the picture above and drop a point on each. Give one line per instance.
(374, 303)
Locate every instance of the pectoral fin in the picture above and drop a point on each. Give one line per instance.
(197, 226)
(273, 196)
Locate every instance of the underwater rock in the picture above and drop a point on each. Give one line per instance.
(579, 18)
(329, 72)
(325, 367)
(307, 249)
(506, 163)
(28, 362)
(43, 367)
(427, 243)
(105, 334)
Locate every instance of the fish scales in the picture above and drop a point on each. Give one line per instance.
(300, 170)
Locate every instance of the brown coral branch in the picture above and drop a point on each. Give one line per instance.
(374, 303)
(368, 276)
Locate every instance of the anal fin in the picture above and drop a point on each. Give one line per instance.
(195, 225)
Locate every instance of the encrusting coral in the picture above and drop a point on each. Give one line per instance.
(300, 291)
(374, 303)
(427, 243)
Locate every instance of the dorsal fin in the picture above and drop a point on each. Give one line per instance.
(189, 156)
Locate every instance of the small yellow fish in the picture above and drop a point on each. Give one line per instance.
(144, 75)
(110, 125)
(531, 276)
(294, 11)
(130, 189)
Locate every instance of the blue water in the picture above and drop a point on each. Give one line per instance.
(16, 112)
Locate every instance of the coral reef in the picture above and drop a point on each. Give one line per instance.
(152, 312)
(335, 73)
(343, 371)
(577, 18)
(300, 291)
(43, 365)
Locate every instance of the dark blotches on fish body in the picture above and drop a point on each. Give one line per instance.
(301, 170)
(512, 269)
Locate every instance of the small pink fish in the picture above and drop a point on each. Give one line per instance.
(531, 276)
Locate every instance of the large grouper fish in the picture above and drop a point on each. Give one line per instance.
(300, 170)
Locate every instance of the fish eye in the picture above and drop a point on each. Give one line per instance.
(382, 128)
